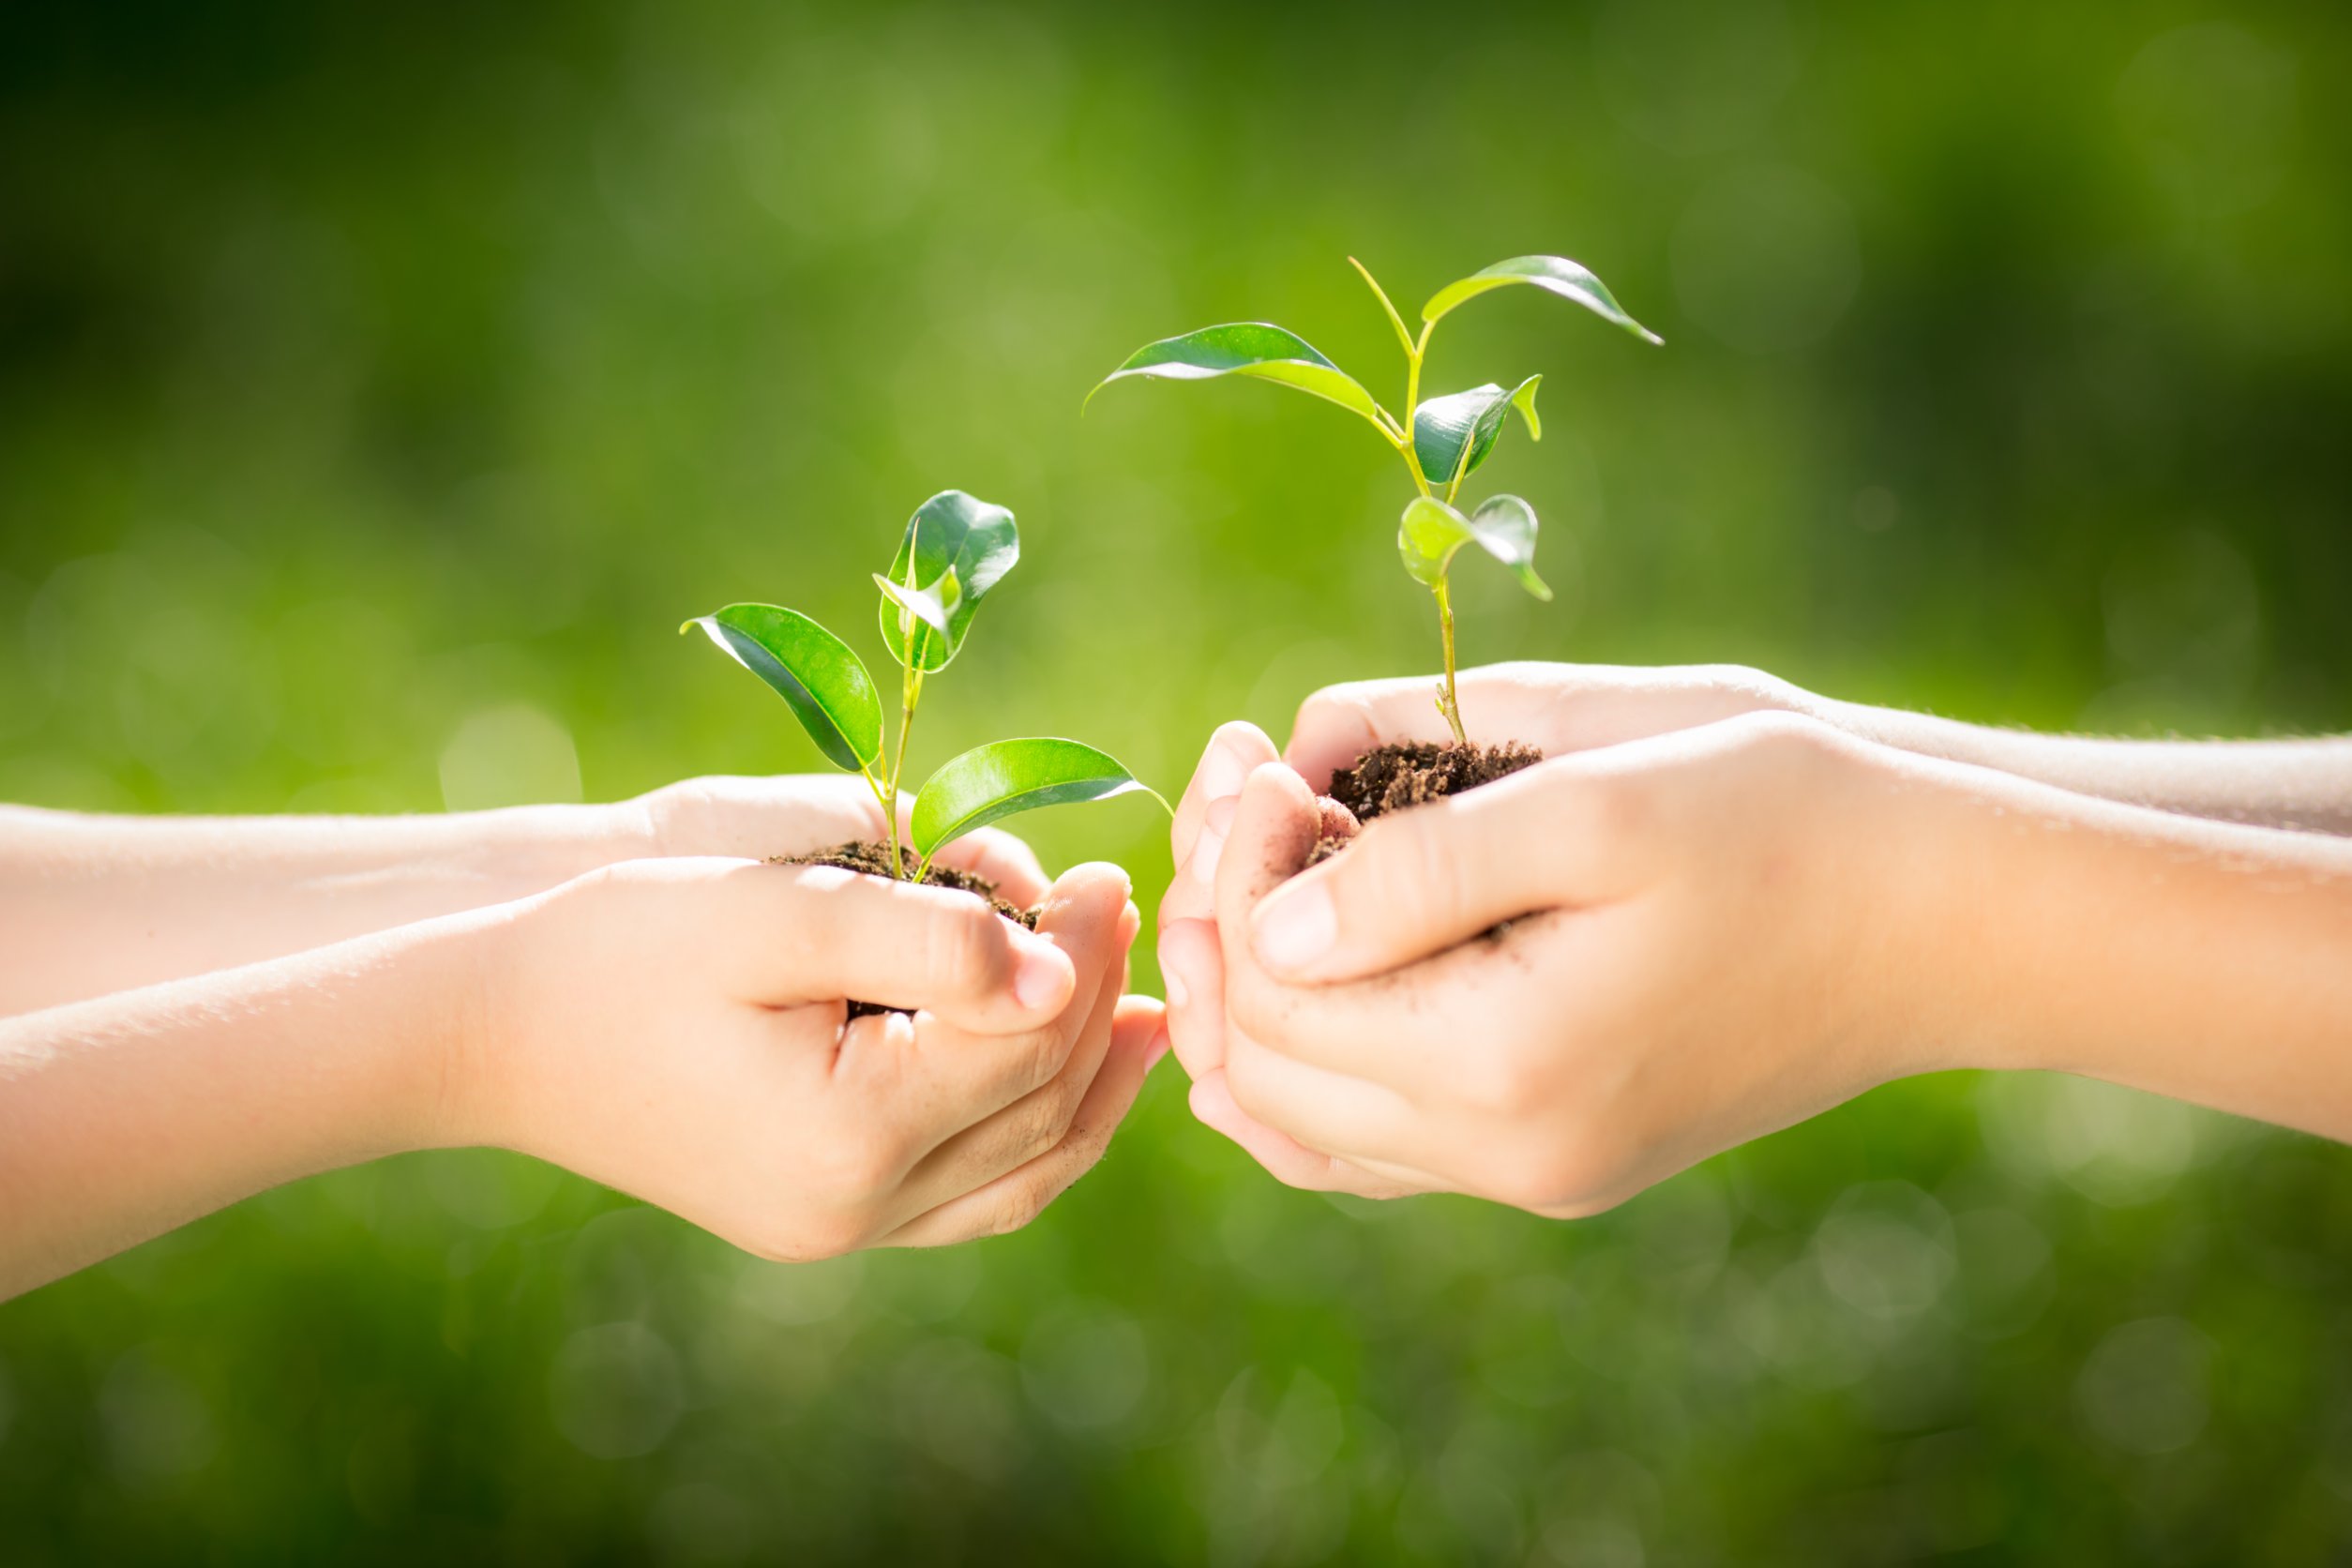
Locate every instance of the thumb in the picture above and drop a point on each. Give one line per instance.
(1417, 882)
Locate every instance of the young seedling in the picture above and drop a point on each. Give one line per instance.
(956, 550)
(1442, 440)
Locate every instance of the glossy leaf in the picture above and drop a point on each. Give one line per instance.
(994, 781)
(1503, 526)
(1554, 274)
(1249, 349)
(819, 676)
(952, 531)
(1452, 435)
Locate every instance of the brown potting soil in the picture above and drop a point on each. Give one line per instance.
(873, 858)
(1405, 773)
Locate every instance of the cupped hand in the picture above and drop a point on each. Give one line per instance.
(1556, 708)
(676, 1028)
(1701, 926)
(796, 814)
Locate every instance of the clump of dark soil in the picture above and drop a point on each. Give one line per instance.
(1405, 773)
(873, 858)
(1414, 772)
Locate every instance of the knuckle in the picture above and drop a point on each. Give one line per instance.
(1616, 808)
(1022, 1203)
(1043, 1120)
(969, 953)
(1037, 1056)
(1406, 866)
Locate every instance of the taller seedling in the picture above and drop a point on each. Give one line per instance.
(956, 549)
(1442, 440)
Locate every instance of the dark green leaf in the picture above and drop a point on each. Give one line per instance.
(1452, 435)
(1249, 349)
(994, 781)
(1555, 274)
(816, 673)
(951, 532)
(1503, 526)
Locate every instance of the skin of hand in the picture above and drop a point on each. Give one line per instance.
(92, 905)
(674, 1028)
(1716, 932)
(1574, 707)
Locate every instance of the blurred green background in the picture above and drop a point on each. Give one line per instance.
(380, 385)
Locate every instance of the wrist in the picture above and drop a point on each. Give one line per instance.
(462, 1084)
(1941, 903)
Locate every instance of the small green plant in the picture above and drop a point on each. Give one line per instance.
(956, 550)
(1442, 440)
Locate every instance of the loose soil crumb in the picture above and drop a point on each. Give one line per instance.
(1406, 773)
(873, 858)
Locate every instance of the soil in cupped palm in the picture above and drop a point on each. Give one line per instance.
(1406, 773)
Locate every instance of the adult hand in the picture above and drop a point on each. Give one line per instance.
(1704, 926)
(1555, 708)
(676, 1027)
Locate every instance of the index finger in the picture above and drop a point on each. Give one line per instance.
(784, 935)
(1225, 763)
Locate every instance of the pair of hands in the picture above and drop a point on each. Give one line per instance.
(674, 1025)
(1708, 896)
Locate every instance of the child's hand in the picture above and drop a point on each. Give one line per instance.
(1704, 926)
(795, 814)
(676, 1027)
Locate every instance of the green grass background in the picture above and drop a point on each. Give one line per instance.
(380, 387)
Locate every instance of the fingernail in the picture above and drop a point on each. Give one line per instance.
(1222, 774)
(1160, 1043)
(1037, 980)
(1295, 925)
(1213, 827)
(1171, 977)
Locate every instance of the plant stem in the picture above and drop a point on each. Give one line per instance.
(1414, 353)
(910, 691)
(1447, 702)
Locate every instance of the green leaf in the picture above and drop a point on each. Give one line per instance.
(977, 541)
(1555, 274)
(1249, 349)
(1503, 526)
(1453, 434)
(994, 781)
(934, 606)
(816, 673)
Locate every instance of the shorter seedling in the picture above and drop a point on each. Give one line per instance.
(956, 550)
(1440, 441)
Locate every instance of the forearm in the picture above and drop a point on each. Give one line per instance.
(95, 905)
(2205, 961)
(2304, 784)
(123, 1117)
